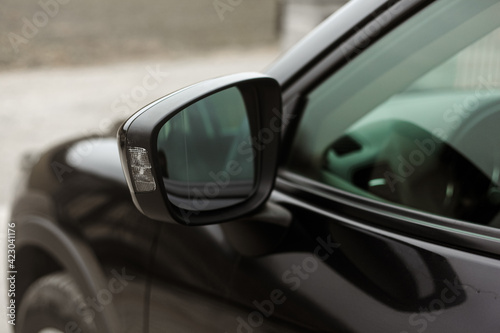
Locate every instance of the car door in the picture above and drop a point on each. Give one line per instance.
(386, 205)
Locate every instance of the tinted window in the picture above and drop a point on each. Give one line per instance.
(414, 120)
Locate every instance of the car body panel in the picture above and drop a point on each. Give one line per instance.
(88, 222)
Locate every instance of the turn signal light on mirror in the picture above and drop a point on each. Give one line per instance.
(142, 175)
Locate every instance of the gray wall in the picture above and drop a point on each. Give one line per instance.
(76, 32)
(89, 31)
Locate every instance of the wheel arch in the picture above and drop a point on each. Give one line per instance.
(62, 250)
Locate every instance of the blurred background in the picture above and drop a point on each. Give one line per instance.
(48, 33)
(70, 68)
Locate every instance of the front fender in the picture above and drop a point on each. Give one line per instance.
(74, 255)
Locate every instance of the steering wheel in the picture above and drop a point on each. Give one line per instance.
(423, 170)
(479, 140)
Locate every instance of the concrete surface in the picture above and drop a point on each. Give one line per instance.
(43, 107)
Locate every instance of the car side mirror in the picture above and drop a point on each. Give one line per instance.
(207, 153)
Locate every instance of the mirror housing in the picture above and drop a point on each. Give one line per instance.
(207, 202)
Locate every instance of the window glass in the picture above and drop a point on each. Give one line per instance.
(415, 119)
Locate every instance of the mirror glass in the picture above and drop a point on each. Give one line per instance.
(205, 155)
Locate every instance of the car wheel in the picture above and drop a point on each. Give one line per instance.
(54, 304)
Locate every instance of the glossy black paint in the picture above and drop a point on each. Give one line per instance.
(314, 259)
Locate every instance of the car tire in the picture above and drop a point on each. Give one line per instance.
(54, 303)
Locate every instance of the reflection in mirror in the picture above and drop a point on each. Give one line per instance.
(200, 153)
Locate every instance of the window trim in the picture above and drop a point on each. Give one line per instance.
(414, 223)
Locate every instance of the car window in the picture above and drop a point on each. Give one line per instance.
(415, 119)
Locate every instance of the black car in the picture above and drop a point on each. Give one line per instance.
(353, 187)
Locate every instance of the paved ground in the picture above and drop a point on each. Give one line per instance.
(42, 107)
